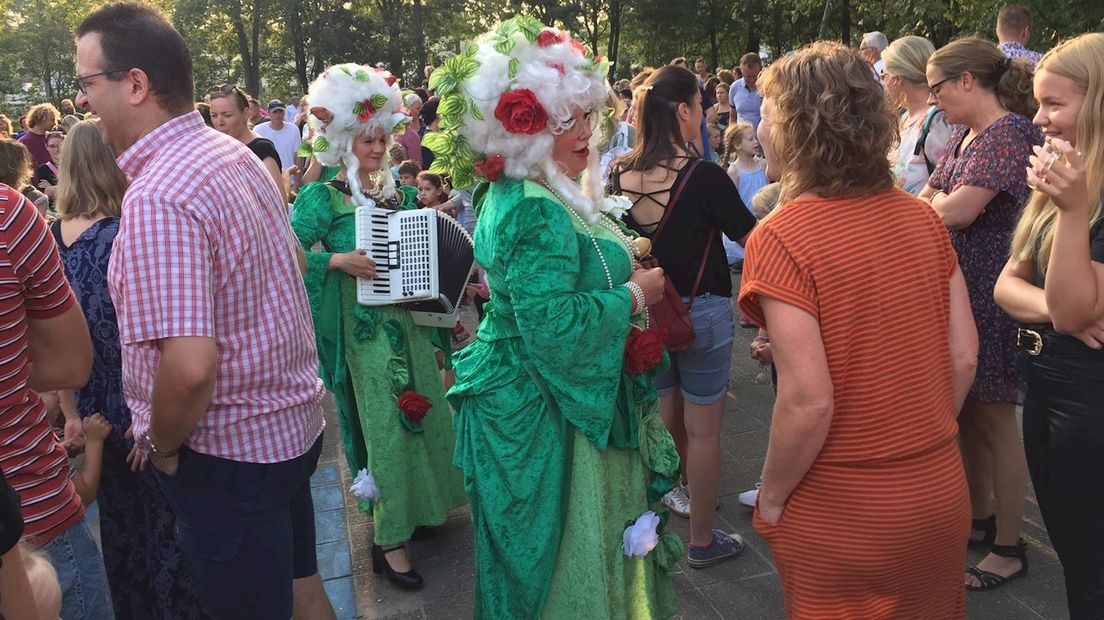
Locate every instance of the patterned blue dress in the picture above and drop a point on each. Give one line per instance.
(148, 578)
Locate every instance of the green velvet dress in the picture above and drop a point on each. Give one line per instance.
(368, 356)
(560, 447)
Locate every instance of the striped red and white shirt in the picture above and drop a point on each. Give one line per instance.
(32, 286)
(205, 249)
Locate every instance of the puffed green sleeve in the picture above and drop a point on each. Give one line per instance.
(575, 340)
(311, 221)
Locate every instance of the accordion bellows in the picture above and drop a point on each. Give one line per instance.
(423, 260)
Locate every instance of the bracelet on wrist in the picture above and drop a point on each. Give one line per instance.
(154, 452)
(640, 303)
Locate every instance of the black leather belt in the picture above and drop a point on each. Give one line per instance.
(1029, 340)
(1035, 339)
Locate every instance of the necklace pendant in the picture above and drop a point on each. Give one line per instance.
(641, 246)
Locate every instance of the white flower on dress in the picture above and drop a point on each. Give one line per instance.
(364, 487)
(641, 537)
(615, 206)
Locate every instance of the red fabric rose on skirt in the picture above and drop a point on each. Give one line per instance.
(520, 112)
(413, 406)
(643, 350)
(491, 167)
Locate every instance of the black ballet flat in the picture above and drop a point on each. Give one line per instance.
(988, 526)
(410, 580)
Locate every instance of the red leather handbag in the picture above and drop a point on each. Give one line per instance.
(669, 313)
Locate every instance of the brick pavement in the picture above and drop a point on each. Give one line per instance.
(743, 588)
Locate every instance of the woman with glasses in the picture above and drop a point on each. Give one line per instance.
(924, 129)
(228, 107)
(978, 189)
(47, 173)
(558, 432)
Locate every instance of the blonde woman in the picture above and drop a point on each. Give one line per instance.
(924, 130)
(1054, 285)
(144, 569)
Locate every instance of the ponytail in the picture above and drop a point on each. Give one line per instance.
(1014, 87)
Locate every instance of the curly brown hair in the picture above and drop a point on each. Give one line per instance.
(831, 123)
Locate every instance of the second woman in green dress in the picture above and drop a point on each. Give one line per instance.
(395, 422)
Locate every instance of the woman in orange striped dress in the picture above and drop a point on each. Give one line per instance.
(863, 501)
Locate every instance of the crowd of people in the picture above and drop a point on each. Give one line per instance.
(916, 234)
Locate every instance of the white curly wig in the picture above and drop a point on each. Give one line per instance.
(346, 101)
(517, 55)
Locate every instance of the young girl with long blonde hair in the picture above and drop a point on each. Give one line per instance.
(1054, 285)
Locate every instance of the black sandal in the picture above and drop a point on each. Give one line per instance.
(988, 526)
(990, 580)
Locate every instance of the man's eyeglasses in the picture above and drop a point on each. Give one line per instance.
(934, 89)
(82, 80)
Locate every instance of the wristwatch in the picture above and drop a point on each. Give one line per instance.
(153, 451)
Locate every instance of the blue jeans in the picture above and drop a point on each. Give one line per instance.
(80, 568)
(702, 372)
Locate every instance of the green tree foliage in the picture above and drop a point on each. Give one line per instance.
(274, 48)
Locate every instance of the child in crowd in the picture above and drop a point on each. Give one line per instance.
(716, 141)
(432, 194)
(763, 203)
(408, 173)
(747, 171)
(87, 480)
(44, 583)
(398, 156)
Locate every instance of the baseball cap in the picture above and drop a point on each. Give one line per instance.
(276, 104)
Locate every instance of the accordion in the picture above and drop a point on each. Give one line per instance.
(423, 260)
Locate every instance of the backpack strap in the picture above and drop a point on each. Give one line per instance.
(924, 129)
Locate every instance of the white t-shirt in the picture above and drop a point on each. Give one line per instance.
(286, 140)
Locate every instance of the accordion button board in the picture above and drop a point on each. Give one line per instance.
(423, 258)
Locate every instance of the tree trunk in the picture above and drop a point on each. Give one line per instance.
(754, 34)
(247, 55)
(822, 34)
(614, 9)
(421, 54)
(253, 77)
(845, 22)
(297, 39)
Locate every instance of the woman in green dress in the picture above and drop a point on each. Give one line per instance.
(564, 456)
(395, 422)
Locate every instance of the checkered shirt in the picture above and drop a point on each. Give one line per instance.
(205, 249)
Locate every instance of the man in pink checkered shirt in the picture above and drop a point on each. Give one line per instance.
(219, 359)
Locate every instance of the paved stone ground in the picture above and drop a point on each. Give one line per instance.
(743, 588)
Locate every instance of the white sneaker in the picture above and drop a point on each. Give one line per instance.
(747, 498)
(677, 501)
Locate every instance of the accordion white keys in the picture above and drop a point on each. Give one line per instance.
(423, 260)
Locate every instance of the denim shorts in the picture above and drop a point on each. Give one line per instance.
(704, 370)
(247, 530)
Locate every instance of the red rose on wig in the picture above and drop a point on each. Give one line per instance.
(491, 167)
(520, 112)
(549, 37)
(643, 350)
(413, 405)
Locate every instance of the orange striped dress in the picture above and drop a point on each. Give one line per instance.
(878, 526)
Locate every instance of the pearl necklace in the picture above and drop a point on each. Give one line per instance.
(606, 223)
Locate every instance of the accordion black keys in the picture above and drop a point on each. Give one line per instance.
(423, 260)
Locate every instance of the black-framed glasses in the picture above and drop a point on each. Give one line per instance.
(82, 80)
(935, 88)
